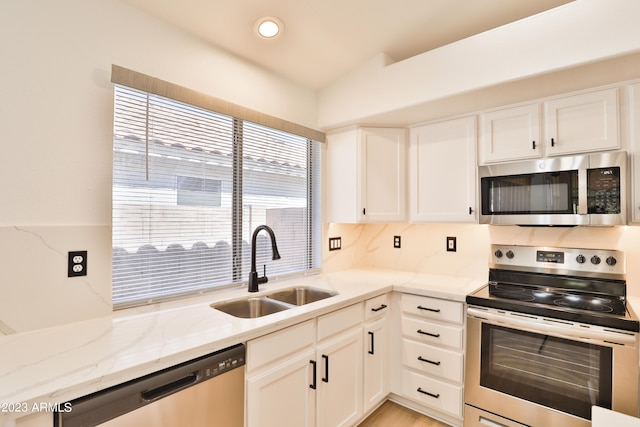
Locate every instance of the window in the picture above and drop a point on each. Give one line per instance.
(189, 188)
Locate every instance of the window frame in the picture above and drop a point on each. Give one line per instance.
(238, 276)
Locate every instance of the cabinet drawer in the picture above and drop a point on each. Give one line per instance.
(432, 308)
(264, 350)
(431, 360)
(442, 396)
(377, 307)
(432, 333)
(338, 321)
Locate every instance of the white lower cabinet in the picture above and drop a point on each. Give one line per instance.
(308, 374)
(339, 363)
(376, 351)
(431, 355)
(279, 378)
(271, 398)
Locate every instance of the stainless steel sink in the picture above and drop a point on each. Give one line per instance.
(301, 295)
(250, 308)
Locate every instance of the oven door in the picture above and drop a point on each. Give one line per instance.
(543, 372)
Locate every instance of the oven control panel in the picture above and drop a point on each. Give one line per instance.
(559, 260)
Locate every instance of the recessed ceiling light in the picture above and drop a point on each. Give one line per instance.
(268, 27)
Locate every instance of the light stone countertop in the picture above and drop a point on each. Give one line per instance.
(57, 364)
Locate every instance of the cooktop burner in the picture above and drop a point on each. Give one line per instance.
(580, 301)
(567, 284)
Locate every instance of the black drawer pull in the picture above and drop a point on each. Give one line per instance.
(420, 358)
(435, 310)
(313, 384)
(382, 307)
(420, 331)
(326, 368)
(436, 396)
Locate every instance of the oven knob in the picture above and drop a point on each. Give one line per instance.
(510, 254)
(498, 253)
(595, 260)
(580, 259)
(611, 261)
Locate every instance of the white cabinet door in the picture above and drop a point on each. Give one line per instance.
(283, 396)
(340, 380)
(443, 171)
(366, 175)
(376, 359)
(383, 175)
(582, 123)
(635, 152)
(510, 134)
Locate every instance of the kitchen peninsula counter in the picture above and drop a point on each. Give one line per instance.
(54, 365)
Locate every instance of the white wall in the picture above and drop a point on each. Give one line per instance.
(575, 34)
(56, 108)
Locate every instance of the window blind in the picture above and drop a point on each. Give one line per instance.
(189, 188)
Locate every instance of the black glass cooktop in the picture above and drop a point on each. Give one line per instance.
(579, 299)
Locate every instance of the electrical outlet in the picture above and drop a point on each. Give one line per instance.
(451, 244)
(335, 243)
(77, 265)
(396, 241)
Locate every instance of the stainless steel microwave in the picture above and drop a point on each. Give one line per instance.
(578, 190)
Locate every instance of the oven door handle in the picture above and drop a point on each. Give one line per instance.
(556, 328)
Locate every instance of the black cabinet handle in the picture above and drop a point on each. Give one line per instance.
(422, 359)
(364, 211)
(534, 145)
(553, 143)
(470, 210)
(420, 331)
(326, 368)
(435, 310)
(382, 307)
(371, 351)
(436, 396)
(313, 383)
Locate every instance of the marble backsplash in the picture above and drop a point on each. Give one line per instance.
(36, 292)
(423, 246)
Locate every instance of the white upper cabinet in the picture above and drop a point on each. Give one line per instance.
(443, 171)
(571, 124)
(582, 123)
(510, 134)
(366, 177)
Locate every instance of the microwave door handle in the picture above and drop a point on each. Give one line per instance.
(582, 192)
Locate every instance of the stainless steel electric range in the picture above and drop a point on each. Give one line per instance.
(550, 336)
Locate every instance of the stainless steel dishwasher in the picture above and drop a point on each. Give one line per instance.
(208, 391)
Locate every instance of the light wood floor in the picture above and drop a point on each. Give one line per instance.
(390, 414)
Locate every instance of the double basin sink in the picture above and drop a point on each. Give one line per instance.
(253, 307)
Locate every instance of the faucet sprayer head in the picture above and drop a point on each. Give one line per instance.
(274, 250)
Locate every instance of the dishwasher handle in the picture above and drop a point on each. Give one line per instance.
(169, 388)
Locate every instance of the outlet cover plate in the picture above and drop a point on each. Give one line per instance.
(77, 265)
(451, 244)
(335, 243)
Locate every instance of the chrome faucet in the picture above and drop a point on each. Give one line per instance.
(254, 280)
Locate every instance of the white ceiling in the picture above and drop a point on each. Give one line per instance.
(324, 39)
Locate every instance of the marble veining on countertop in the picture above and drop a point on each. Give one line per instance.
(61, 363)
